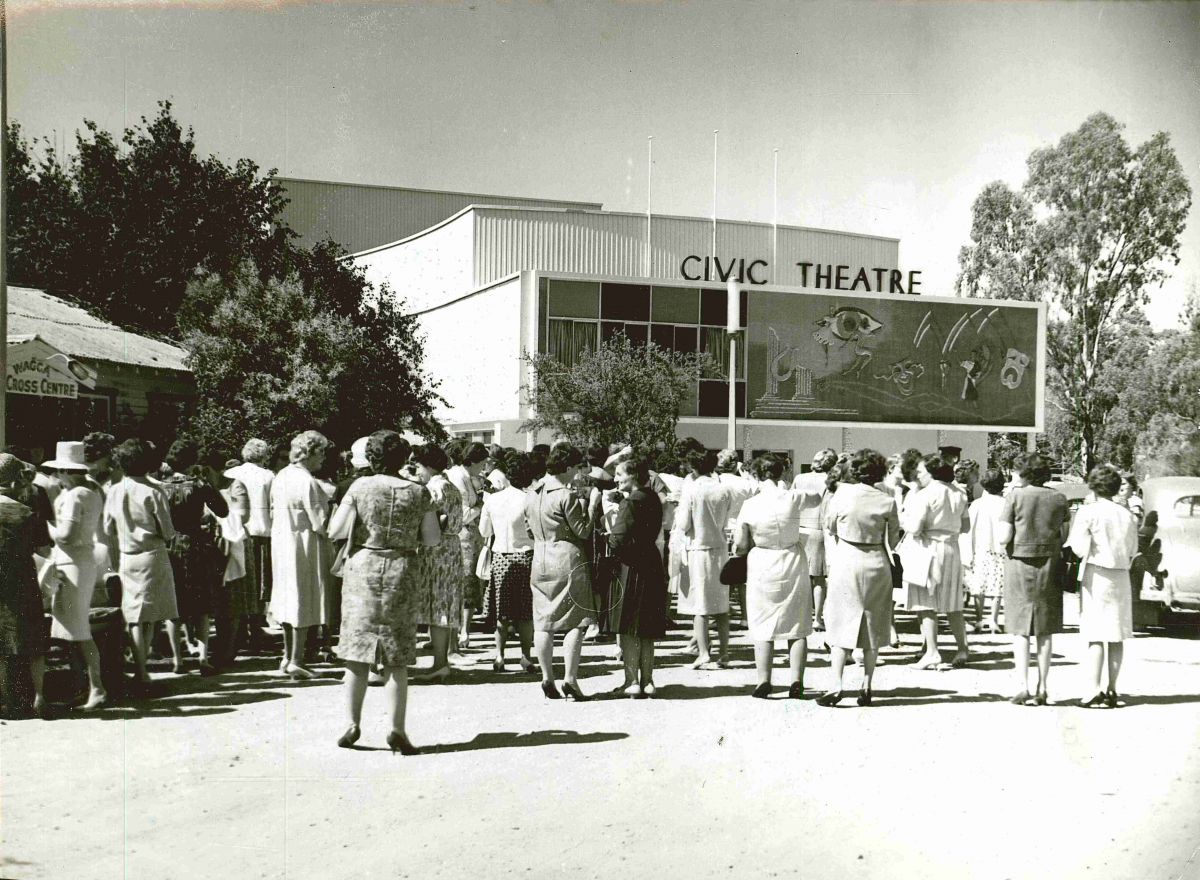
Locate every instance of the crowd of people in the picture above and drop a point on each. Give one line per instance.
(352, 559)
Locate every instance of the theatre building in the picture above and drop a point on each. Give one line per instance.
(840, 347)
(70, 373)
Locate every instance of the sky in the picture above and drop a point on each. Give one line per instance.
(888, 118)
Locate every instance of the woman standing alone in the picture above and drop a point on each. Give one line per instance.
(388, 518)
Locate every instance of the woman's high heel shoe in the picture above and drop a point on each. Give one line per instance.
(1040, 699)
(550, 691)
(830, 699)
(796, 691)
(398, 742)
(350, 737)
(1098, 699)
(573, 693)
(864, 697)
(1021, 699)
(762, 692)
(1112, 699)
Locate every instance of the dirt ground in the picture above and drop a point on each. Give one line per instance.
(239, 777)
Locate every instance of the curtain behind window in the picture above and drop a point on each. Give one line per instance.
(568, 340)
(716, 342)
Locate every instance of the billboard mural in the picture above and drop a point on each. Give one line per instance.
(903, 360)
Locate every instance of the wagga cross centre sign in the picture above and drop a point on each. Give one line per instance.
(33, 369)
(896, 360)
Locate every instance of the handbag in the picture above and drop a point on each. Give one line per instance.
(733, 572)
(483, 565)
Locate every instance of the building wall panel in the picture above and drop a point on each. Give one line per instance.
(473, 347)
(428, 270)
(610, 244)
(359, 217)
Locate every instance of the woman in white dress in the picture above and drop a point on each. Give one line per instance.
(778, 592)
(702, 517)
(1104, 537)
(299, 517)
(77, 512)
(932, 519)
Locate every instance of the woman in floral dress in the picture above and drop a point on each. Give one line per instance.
(387, 520)
(441, 571)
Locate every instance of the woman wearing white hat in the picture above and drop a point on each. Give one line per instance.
(77, 511)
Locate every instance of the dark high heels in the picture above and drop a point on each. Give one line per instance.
(550, 691)
(762, 692)
(1112, 699)
(573, 693)
(864, 697)
(1041, 699)
(398, 742)
(796, 691)
(1021, 699)
(350, 737)
(1098, 699)
(829, 699)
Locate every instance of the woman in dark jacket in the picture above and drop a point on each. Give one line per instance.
(1032, 530)
(640, 598)
(22, 632)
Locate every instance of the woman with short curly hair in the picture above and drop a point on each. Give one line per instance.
(1104, 537)
(299, 516)
(858, 611)
(386, 519)
(933, 517)
(1032, 523)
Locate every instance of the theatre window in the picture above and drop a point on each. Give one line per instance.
(579, 315)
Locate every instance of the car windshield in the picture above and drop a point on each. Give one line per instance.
(1187, 506)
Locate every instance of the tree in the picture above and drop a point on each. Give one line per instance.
(121, 227)
(272, 359)
(1095, 225)
(617, 393)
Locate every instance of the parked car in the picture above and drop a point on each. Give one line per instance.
(1166, 573)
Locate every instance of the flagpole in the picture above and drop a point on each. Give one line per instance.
(775, 213)
(714, 229)
(3, 222)
(649, 194)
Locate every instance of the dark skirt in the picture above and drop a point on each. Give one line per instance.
(199, 568)
(509, 599)
(1033, 602)
(258, 557)
(23, 628)
(240, 598)
(638, 598)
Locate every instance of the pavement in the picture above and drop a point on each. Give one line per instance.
(239, 777)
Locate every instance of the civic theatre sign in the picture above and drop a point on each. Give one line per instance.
(822, 276)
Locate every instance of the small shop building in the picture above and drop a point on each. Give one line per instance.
(70, 373)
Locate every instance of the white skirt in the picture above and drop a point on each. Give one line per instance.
(778, 594)
(1107, 614)
(703, 592)
(942, 591)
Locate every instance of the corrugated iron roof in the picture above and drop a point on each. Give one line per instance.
(72, 330)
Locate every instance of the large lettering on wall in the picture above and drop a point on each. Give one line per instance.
(895, 360)
(822, 276)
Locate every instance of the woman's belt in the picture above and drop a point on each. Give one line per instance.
(862, 545)
(390, 551)
(939, 535)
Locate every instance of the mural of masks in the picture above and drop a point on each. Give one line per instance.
(1013, 370)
